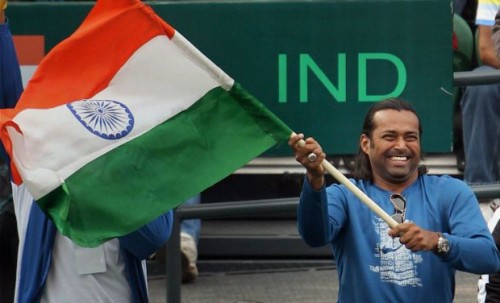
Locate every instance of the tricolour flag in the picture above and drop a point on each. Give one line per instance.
(125, 120)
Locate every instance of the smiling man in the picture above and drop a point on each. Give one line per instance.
(440, 230)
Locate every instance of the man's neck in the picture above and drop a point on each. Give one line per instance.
(394, 187)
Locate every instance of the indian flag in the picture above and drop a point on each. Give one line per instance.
(125, 120)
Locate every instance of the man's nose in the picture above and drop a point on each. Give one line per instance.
(400, 143)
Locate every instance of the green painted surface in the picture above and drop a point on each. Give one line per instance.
(318, 65)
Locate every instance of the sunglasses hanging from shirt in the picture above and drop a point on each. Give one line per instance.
(399, 203)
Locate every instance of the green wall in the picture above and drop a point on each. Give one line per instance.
(317, 64)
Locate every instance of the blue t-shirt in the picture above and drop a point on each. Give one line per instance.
(373, 267)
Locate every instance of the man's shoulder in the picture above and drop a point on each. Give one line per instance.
(442, 181)
(361, 183)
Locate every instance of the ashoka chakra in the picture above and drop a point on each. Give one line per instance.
(107, 119)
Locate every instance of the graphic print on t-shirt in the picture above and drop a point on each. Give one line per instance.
(397, 265)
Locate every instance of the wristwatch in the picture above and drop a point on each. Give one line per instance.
(443, 246)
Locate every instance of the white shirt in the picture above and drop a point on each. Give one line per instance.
(80, 274)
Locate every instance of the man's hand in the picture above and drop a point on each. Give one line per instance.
(302, 148)
(414, 237)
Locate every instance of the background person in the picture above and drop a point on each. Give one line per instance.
(8, 237)
(10, 90)
(481, 108)
(489, 285)
(52, 268)
(190, 234)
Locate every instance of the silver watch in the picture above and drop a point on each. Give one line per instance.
(443, 246)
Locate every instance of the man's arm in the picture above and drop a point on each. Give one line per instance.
(471, 245)
(486, 48)
(312, 215)
(495, 35)
(149, 238)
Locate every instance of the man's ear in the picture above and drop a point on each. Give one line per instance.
(364, 143)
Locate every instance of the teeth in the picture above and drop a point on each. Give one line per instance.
(399, 158)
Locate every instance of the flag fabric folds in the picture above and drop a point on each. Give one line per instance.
(124, 120)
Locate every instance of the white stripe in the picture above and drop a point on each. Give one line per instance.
(485, 14)
(22, 207)
(166, 75)
(203, 62)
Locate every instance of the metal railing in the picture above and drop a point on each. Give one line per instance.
(250, 208)
(219, 210)
(476, 78)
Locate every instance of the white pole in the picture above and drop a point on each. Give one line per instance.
(358, 193)
(355, 190)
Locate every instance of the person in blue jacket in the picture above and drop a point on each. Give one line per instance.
(50, 267)
(11, 88)
(441, 228)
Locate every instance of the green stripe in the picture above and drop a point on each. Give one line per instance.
(135, 183)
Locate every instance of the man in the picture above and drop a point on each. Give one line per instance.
(481, 109)
(10, 90)
(440, 230)
(51, 268)
(189, 238)
(190, 234)
(8, 237)
(495, 34)
(489, 285)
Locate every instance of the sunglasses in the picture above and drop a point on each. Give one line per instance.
(399, 203)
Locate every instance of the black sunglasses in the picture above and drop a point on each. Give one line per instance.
(399, 203)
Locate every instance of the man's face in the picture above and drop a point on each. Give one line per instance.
(394, 149)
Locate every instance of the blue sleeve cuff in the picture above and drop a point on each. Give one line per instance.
(149, 238)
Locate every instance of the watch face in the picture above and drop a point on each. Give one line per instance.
(443, 245)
